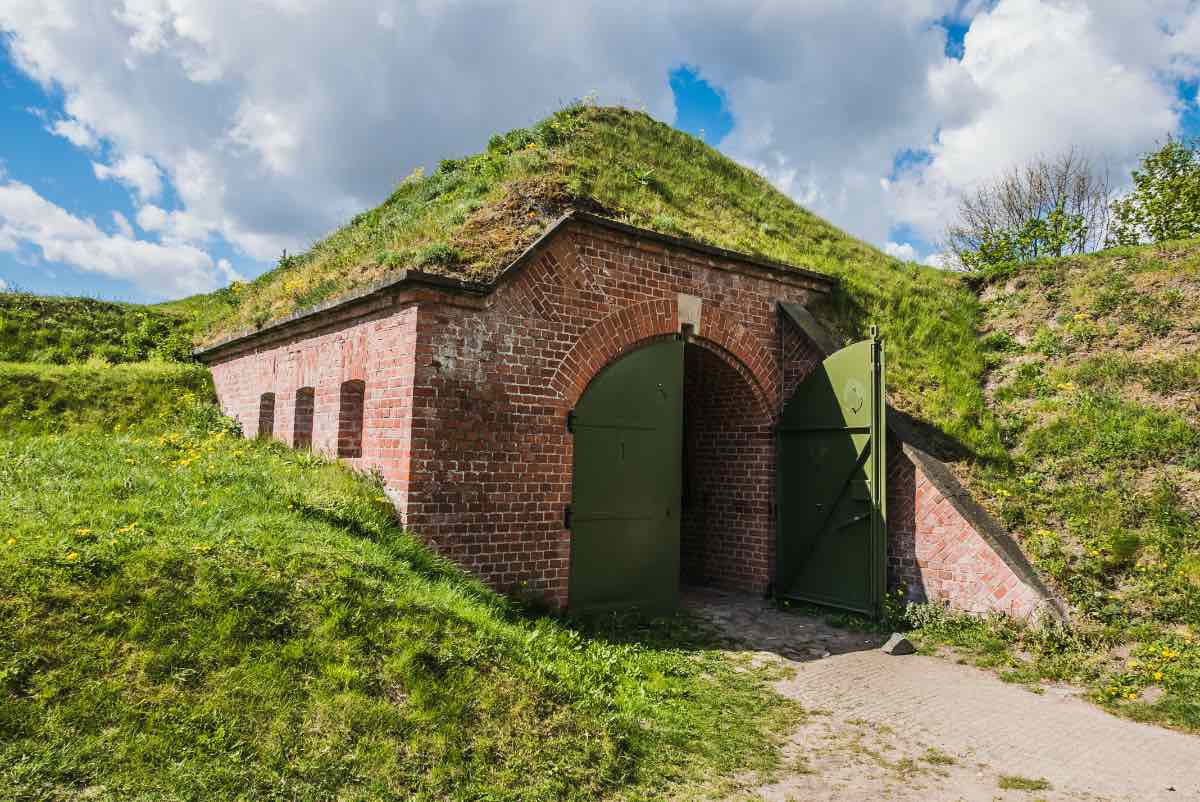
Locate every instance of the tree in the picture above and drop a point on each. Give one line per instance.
(1165, 201)
(1048, 207)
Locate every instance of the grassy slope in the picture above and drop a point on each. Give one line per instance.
(55, 330)
(475, 214)
(37, 398)
(1094, 376)
(185, 614)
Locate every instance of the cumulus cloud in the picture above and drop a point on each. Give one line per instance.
(122, 225)
(74, 132)
(137, 172)
(29, 220)
(900, 250)
(276, 121)
(1045, 76)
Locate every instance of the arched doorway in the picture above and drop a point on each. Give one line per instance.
(671, 479)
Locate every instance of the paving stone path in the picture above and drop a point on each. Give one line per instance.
(915, 727)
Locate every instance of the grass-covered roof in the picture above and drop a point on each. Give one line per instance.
(472, 216)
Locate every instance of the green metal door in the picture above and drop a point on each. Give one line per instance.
(831, 532)
(625, 495)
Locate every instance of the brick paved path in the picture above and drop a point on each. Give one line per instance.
(878, 716)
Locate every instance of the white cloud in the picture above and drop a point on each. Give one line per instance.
(3, 285)
(277, 121)
(937, 259)
(1044, 76)
(136, 172)
(27, 219)
(74, 132)
(900, 250)
(173, 226)
(122, 224)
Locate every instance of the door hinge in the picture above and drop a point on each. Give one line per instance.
(571, 421)
(567, 517)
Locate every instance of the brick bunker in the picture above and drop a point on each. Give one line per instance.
(457, 394)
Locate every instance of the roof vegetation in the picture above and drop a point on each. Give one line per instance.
(472, 216)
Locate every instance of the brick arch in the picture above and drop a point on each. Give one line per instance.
(635, 325)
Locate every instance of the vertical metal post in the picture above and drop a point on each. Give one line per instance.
(879, 464)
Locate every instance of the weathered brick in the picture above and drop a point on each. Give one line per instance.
(460, 403)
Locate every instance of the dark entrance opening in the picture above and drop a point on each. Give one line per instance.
(672, 479)
(726, 522)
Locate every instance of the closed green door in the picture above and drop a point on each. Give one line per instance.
(831, 535)
(625, 499)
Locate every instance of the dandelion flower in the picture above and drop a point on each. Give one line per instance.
(1131, 696)
(12, 541)
(73, 556)
(1158, 675)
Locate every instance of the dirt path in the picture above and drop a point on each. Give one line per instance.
(923, 728)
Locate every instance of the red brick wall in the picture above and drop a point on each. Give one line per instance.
(377, 349)
(464, 403)
(938, 556)
(727, 532)
(491, 457)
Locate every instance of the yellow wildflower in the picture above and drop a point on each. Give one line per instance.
(1158, 675)
(12, 541)
(83, 531)
(1066, 386)
(1131, 696)
(73, 556)
(112, 542)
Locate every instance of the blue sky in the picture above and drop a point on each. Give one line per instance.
(259, 151)
(63, 174)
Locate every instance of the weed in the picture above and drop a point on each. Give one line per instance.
(938, 758)
(1015, 782)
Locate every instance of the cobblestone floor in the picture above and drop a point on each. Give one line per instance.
(915, 727)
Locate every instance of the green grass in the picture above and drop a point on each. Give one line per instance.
(56, 330)
(474, 214)
(38, 398)
(189, 615)
(1093, 376)
(1015, 782)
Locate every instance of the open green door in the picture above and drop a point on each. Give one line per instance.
(831, 546)
(625, 494)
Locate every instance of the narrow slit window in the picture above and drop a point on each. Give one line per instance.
(302, 428)
(266, 415)
(350, 418)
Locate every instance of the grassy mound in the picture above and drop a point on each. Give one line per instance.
(54, 330)
(1094, 376)
(110, 398)
(192, 615)
(474, 215)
